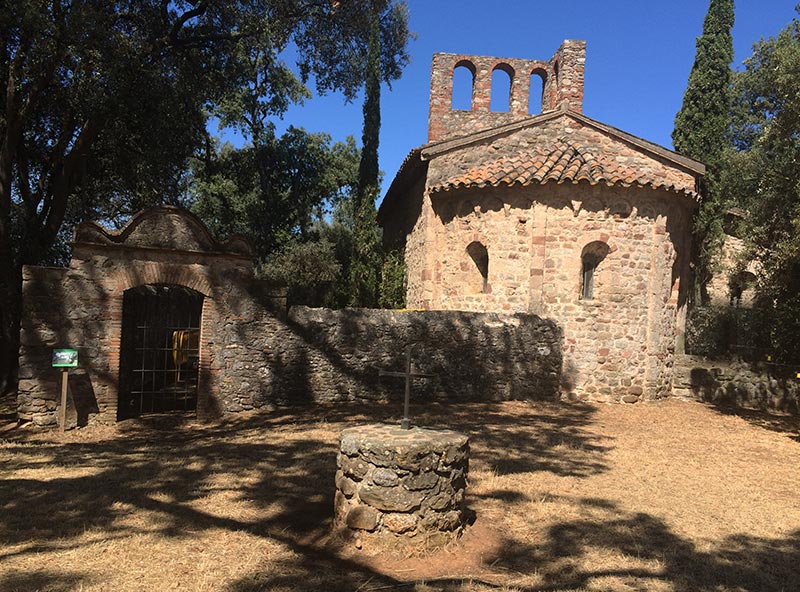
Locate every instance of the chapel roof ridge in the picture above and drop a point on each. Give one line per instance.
(419, 156)
(432, 149)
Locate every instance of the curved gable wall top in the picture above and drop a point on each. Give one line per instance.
(163, 227)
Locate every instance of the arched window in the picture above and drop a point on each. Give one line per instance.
(500, 100)
(536, 92)
(740, 286)
(463, 81)
(480, 256)
(591, 257)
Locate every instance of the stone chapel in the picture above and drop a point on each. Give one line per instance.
(555, 214)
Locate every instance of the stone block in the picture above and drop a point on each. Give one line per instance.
(344, 484)
(363, 518)
(422, 481)
(354, 468)
(400, 523)
(390, 499)
(385, 477)
(403, 502)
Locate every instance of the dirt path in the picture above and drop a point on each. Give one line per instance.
(670, 496)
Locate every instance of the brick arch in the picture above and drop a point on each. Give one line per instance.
(596, 236)
(543, 75)
(594, 245)
(505, 67)
(496, 86)
(470, 67)
(155, 273)
(465, 63)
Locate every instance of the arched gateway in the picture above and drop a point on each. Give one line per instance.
(145, 307)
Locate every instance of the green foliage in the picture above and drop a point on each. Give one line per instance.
(347, 49)
(757, 334)
(762, 176)
(103, 103)
(101, 106)
(274, 193)
(712, 331)
(702, 122)
(366, 237)
(365, 258)
(342, 66)
(701, 126)
(308, 269)
(392, 288)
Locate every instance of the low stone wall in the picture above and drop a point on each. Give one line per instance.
(737, 383)
(472, 356)
(260, 358)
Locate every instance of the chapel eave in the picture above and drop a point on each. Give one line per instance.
(585, 166)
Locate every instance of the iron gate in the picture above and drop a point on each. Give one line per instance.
(160, 350)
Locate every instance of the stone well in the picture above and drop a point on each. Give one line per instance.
(406, 482)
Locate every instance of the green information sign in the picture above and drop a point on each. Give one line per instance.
(65, 358)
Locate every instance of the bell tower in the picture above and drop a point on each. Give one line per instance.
(562, 88)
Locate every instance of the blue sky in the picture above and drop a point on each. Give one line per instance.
(638, 58)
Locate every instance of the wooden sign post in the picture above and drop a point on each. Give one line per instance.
(62, 411)
(64, 359)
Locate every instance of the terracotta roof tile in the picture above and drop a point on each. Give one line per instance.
(561, 162)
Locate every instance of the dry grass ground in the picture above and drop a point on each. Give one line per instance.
(671, 496)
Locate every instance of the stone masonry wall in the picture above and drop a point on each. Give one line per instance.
(619, 344)
(473, 356)
(616, 344)
(737, 383)
(81, 307)
(403, 482)
(562, 78)
(251, 354)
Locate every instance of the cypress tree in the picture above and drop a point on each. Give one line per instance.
(365, 259)
(701, 126)
(701, 123)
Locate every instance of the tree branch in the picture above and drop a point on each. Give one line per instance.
(64, 182)
(198, 10)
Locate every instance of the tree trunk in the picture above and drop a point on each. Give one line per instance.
(10, 290)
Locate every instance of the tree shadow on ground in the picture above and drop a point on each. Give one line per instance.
(551, 437)
(43, 580)
(164, 464)
(782, 423)
(283, 464)
(639, 552)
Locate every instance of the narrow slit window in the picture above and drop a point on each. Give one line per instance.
(480, 256)
(593, 254)
(589, 268)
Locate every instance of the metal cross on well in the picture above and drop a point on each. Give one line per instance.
(405, 423)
